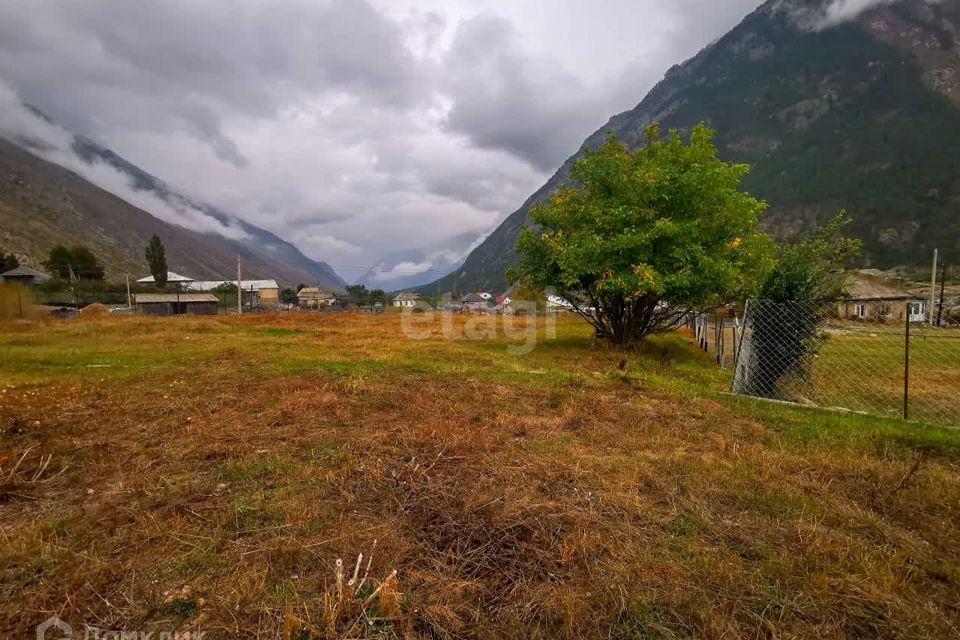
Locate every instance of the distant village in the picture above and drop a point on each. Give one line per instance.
(874, 296)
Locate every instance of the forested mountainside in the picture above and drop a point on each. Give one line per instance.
(862, 115)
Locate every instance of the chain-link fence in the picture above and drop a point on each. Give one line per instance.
(875, 357)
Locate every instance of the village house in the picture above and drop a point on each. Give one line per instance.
(172, 278)
(258, 293)
(23, 276)
(312, 298)
(406, 299)
(878, 299)
(555, 302)
(174, 304)
(478, 302)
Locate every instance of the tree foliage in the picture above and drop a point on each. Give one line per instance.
(358, 294)
(644, 236)
(157, 260)
(794, 299)
(811, 269)
(74, 262)
(8, 261)
(379, 296)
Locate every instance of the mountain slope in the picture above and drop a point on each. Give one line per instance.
(403, 270)
(43, 204)
(860, 116)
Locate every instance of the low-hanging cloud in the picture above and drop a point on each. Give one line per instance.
(55, 144)
(353, 128)
(833, 13)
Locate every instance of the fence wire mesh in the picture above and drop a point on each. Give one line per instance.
(880, 359)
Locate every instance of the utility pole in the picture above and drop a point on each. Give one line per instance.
(129, 300)
(906, 368)
(933, 286)
(943, 287)
(239, 290)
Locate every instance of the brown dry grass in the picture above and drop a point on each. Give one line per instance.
(95, 311)
(196, 474)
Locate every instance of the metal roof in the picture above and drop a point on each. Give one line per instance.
(246, 285)
(311, 292)
(151, 298)
(24, 272)
(171, 277)
(864, 288)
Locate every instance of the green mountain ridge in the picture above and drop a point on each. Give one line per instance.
(858, 116)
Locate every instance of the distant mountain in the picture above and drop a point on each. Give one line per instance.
(862, 115)
(43, 204)
(402, 270)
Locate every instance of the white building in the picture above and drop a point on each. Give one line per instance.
(406, 299)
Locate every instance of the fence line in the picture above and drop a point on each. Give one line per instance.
(890, 364)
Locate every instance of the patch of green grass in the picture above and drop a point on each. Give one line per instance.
(836, 428)
(338, 367)
(254, 514)
(686, 523)
(273, 331)
(636, 621)
(256, 468)
(183, 607)
(56, 528)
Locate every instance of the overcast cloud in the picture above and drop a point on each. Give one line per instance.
(352, 128)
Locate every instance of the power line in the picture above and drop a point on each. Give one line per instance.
(380, 269)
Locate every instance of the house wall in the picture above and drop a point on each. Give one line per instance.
(154, 309)
(167, 308)
(878, 310)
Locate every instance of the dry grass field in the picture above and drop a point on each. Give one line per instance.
(207, 474)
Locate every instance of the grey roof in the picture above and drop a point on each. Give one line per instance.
(311, 292)
(407, 295)
(246, 285)
(150, 298)
(865, 288)
(25, 272)
(171, 277)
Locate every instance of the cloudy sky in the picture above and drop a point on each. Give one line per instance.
(352, 128)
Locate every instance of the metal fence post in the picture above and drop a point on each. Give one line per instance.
(906, 367)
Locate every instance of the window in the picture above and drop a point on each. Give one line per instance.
(861, 310)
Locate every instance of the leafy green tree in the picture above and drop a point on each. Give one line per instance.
(794, 299)
(527, 297)
(358, 294)
(78, 261)
(226, 293)
(157, 260)
(288, 295)
(381, 296)
(85, 264)
(644, 237)
(8, 261)
(59, 262)
(811, 269)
